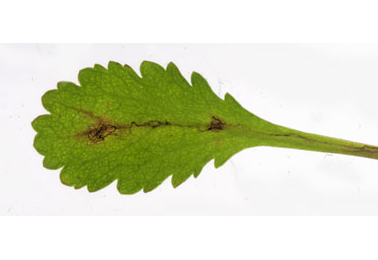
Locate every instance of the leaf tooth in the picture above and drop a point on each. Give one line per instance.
(151, 71)
(47, 99)
(67, 86)
(150, 187)
(200, 166)
(224, 156)
(128, 185)
(200, 84)
(87, 76)
(231, 100)
(100, 183)
(131, 73)
(176, 76)
(180, 177)
(125, 72)
(52, 162)
(41, 122)
(99, 67)
(112, 65)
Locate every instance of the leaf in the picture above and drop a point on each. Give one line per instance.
(140, 130)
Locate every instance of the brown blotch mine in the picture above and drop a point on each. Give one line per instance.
(100, 132)
(216, 124)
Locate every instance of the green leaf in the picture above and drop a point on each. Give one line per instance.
(140, 130)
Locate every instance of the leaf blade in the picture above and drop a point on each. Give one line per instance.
(162, 127)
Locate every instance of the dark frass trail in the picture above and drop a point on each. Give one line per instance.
(138, 131)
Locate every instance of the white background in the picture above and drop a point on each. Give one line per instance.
(328, 89)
